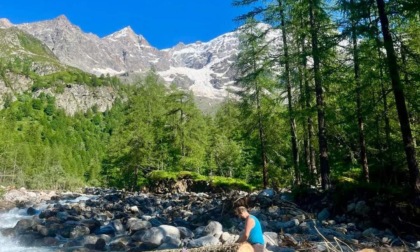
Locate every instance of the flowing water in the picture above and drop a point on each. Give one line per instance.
(9, 220)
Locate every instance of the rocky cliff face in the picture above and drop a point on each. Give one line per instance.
(74, 98)
(204, 68)
(79, 98)
(15, 84)
(20, 48)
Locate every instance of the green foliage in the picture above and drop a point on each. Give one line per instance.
(347, 175)
(155, 132)
(217, 181)
(33, 45)
(2, 192)
(43, 148)
(190, 175)
(30, 50)
(231, 183)
(162, 175)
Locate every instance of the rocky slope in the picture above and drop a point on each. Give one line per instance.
(24, 60)
(108, 220)
(205, 68)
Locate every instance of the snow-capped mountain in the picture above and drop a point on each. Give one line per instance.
(206, 68)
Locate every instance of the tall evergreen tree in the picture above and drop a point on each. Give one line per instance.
(315, 12)
(256, 80)
(399, 96)
(352, 13)
(277, 14)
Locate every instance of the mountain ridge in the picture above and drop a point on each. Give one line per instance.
(205, 68)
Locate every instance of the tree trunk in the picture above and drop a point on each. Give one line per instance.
(360, 122)
(292, 121)
(310, 157)
(399, 100)
(411, 118)
(262, 141)
(261, 131)
(322, 136)
(384, 151)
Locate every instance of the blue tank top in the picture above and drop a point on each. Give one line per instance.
(256, 234)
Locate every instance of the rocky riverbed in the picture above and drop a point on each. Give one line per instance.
(111, 220)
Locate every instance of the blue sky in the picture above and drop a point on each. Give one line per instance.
(163, 23)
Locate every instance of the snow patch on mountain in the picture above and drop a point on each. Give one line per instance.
(200, 81)
(105, 71)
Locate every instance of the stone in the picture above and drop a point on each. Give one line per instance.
(287, 224)
(32, 211)
(371, 232)
(185, 232)
(79, 231)
(100, 244)
(361, 208)
(153, 237)
(323, 215)
(271, 238)
(172, 231)
(207, 240)
(23, 225)
(213, 228)
(105, 230)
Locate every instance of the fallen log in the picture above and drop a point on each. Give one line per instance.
(237, 247)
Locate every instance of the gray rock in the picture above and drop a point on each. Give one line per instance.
(323, 215)
(226, 238)
(351, 207)
(79, 231)
(171, 242)
(153, 237)
(134, 224)
(24, 225)
(90, 239)
(207, 240)
(214, 228)
(199, 231)
(172, 231)
(267, 193)
(371, 232)
(109, 230)
(124, 239)
(271, 238)
(361, 208)
(118, 226)
(287, 224)
(185, 232)
(117, 246)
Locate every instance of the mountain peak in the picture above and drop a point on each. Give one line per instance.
(5, 23)
(62, 19)
(124, 32)
(128, 33)
(128, 29)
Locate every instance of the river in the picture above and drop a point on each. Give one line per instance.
(9, 220)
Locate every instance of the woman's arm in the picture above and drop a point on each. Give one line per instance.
(249, 224)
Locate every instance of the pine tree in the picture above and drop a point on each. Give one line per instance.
(399, 96)
(257, 81)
